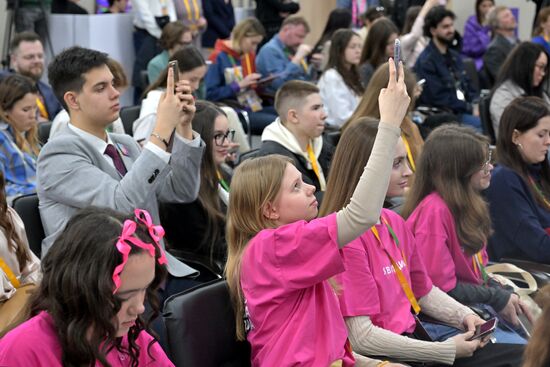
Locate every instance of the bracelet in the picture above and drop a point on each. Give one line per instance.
(161, 139)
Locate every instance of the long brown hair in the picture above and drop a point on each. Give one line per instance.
(351, 155)
(338, 44)
(374, 48)
(542, 16)
(451, 156)
(368, 106)
(537, 351)
(12, 89)
(255, 183)
(522, 114)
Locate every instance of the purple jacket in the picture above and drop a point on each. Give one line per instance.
(475, 41)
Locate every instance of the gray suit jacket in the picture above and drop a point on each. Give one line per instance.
(72, 174)
(496, 53)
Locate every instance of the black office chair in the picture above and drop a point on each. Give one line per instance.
(247, 155)
(333, 137)
(471, 72)
(485, 117)
(200, 326)
(128, 115)
(44, 129)
(27, 208)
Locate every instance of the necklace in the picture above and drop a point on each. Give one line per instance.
(539, 192)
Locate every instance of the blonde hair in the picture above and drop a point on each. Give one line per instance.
(255, 183)
(249, 27)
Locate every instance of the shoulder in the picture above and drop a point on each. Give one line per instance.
(272, 147)
(432, 206)
(505, 176)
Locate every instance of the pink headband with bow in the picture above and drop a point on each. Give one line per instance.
(127, 237)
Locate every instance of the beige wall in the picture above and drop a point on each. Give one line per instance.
(316, 13)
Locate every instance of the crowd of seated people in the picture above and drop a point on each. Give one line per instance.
(357, 232)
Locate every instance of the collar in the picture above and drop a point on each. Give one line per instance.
(277, 131)
(222, 47)
(99, 144)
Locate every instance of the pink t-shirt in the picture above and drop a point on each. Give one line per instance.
(292, 309)
(35, 343)
(370, 286)
(433, 226)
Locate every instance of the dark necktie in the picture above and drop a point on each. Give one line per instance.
(117, 160)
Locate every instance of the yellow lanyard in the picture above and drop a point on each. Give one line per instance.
(42, 108)
(315, 167)
(188, 8)
(238, 75)
(248, 65)
(477, 262)
(304, 65)
(11, 276)
(400, 276)
(409, 153)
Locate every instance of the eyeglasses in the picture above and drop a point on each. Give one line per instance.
(541, 66)
(219, 138)
(485, 167)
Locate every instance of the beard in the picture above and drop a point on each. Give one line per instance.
(31, 74)
(448, 42)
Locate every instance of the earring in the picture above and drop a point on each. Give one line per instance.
(519, 146)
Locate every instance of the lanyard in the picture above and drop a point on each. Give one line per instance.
(222, 181)
(539, 191)
(409, 153)
(42, 108)
(9, 273)
(477, 262)
(302, 61)
(188, 8)
(236, 70)
(315, 166)
(400, 276)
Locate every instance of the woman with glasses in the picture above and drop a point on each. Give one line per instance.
(520, 189)
(450, 220)
(198, 227)
(524, 73)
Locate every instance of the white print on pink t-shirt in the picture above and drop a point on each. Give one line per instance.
(387, 270)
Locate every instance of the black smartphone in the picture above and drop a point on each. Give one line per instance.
(485, 329)
(175, 71)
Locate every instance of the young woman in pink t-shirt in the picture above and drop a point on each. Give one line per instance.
(450, 220)
(373, 301)
(281, 257)
(87, 310)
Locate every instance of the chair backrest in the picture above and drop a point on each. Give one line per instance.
(485, 117)
(27, 208)
(333, 137)
(128, 115)
(471, 72)
(44, 129)
(200, 326)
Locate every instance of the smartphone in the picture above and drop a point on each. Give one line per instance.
(175, 70)
(485, 329)
(525, 324)
(397, 56)
(421, 82)
(268, 79)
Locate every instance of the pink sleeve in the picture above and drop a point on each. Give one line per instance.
(421, 282)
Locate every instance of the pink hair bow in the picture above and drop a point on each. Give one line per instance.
(127, 237)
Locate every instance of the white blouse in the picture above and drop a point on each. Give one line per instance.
(340, 100)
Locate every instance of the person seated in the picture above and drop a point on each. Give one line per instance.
(20, 271)
(378, 46)
(19, 144)
(477, 34)
(86, 165)
(220, 16)
(367, 18)
(27, 58)
(447, 85)
(450, 220)
(109, 264)
(541, 33)
(298, 132)
(385, 274)
(192, 69)
(286, 55)
(232, 77)
(368, 106)
(197, 228)
(174, 37)
(412, 38)
(339, 85)
(190, 12)
(520, 186)
(523, 73)
(503, 26)
(337, 19)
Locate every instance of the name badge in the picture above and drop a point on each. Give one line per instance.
(460, 95)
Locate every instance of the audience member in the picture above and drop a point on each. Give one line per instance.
(272, 13)
(368, 18)
(197, 228)
(537, 352)
(447, 85)
(368, 106)
(297, 133)
(337, 19)
(285, 307)
(85, 165)
(541, 32)
(477, 34)
(450, 220)
(220, 17)
(378, 46)
(27, 58)
(412, 38)
(285, 55)
(19, 145)
(116, 6)
(339, 85)
(373, 301)
(358, 8)
(523, 73)
(191, 14)
(503, 26)
(232, 77)
(88, 307)
(174, 37)
(399, 11)
(20, 270)
(192, 69)
(520, 187)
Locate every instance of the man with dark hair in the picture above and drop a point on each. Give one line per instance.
(447, 85)
(27, 58)
(84, 165)
(271, 14)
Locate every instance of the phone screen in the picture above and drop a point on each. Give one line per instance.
(485, 328)
(397, 54)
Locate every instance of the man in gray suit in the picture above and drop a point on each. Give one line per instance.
(84, 165)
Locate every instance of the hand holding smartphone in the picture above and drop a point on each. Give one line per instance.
(175, 72)
(485, 329)
(397, 54)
